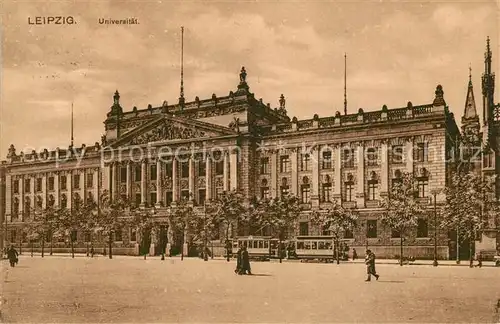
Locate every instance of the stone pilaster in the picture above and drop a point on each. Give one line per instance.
(191, 178)
(233, 169)
(295, 170)
(274, 174)
(129, 181)
(21, 196)
(8, 195)
(360, 171)
(315, 177)
(105, 177)
(44, 191)
(57, 194)
(143, 183)
(337, 189)
(175, 187)
(32, 192)
(208, 178)
(409, 156)
(95, 182)
(159, 179)
(69, 187)
(384, 172)
(114, 181)
(226, 171)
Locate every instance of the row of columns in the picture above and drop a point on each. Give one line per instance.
(230, 177)
(337, 193)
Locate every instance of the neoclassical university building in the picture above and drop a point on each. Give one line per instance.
(196, 150)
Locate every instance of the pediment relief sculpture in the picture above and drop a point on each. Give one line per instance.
(169, 131)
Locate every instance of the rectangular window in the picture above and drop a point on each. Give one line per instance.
(13, 236)
(327, 160)
(327, 192)
(285, 190)
(51, 183)
(152, 198)
(397, 154)
(264, 193)
(133, 235)
(422, 228)
(264, 166)
(348, 158)
(169, 198)
(421, 152)
(137, 199)
(305, 191)
(123, 174)
(395, 233)
(202, 168)
(201, 196)
(349, 190)
(305, 162)
(169, 169)
(90, 180)
(74, 235)
(372, 156)
(152, 172)
(39, 184)
(63, 183)
(422, 187)
(27, 185)
(16, 186)
(118, 235)
(371, 225)
(76, 181)
(372, 189)
(138, 173)
(303, 228)
(185, 194)
(285, 163)
(219, 168)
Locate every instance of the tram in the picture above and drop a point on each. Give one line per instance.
(260, 247)
(314, 248)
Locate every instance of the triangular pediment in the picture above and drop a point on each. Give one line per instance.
(170, 128)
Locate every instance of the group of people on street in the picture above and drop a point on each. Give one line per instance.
(242, 261)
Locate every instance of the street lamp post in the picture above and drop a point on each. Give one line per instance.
(435, 263)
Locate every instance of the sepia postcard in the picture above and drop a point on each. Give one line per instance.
(249, 161)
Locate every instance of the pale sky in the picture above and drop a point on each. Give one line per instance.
(396, 52)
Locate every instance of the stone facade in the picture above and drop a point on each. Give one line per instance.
(195, 150)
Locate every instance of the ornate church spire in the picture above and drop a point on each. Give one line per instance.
(470, 104)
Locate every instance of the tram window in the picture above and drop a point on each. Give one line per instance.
(314, 246)
(261, 244)
(321, 245)
(300, 245)
(245, 243)
(328, 245)
(266, 245)
(255, 244)
(307, 245)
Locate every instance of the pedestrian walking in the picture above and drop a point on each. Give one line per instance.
(92, 252)
(245, 262)
(479, 259)
(354, 254)
(238, 261)
(370, 265)
(12, 255)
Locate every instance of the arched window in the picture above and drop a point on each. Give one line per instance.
(27, 206)
(264, 189)
(15, 207)
(64, 201)
(284, 189)
(77, 200)
(50, 201)
(373, 186)
(326, 189)
(349, 188)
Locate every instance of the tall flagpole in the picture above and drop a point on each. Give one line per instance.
(72, 124)
(181, 96)
(345, 83)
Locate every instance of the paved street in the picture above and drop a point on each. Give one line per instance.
(126, 289)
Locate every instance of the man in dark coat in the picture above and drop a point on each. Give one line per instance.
(238, 261)
(245, 262)
(12, 255)
(370, 265)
